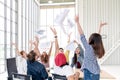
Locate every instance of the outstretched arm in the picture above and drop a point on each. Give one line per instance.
(16, 48)
(37, 41)
(31, 44)
(36, 49)
(76, 42)
(67, 51)
(69, 35)
(80, 47)
(101, 25)
(78, 25)
(56, 40)
(50, 50)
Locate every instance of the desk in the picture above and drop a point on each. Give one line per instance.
(103, 75)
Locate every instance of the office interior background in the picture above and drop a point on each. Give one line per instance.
(21, 19)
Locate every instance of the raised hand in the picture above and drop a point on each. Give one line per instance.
(69, 35)
(78, 25)
(102, 24)
(76, 19)
(15, 45)
(53, 30)
(36, 38)
(56, 41)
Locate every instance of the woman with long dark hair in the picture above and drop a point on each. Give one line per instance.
(78, 57)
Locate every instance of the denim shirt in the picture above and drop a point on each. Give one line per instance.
(90, 60)
(37, 70)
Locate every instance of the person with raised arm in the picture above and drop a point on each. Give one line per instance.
(93, 49)
(21, 59)
(36, 45)
(78, 57)
(56, 41)
(35, 68)
(45, 57)
(101, 25)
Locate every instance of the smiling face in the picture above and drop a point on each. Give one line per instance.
(77, 50)
(61, 50)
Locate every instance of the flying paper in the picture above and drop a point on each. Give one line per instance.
(71, 46)
(44, 46)
(40, 32)
(70, 23)
(61, 17)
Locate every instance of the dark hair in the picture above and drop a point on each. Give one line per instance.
(61, 48)
(21, 52)
(44, 57)
(64, 64)
(75, 58)
(31, 56)
(96, 41)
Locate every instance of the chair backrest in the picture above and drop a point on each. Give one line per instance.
(11, 66)
(58, 77)
(16, 76)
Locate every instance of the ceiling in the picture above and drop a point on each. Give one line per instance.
(55, 1)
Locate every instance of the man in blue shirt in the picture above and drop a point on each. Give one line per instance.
(35, 68)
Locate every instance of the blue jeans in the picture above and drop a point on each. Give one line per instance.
(90, 76)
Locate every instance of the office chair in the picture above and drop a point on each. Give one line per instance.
(11, 67)
(16, 76)
(58, 77)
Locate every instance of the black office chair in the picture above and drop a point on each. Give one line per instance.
(58, 77)
(21, 76)
(11, 67)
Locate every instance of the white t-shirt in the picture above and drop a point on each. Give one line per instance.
(66, 70)
(21, 65)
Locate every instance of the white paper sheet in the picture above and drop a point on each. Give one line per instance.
(71, 46)
(61, 17)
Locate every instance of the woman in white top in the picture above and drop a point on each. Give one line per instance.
(62, 68)
(21, 60)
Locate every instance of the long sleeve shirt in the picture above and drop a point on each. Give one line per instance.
(90, 60)
(37, 70)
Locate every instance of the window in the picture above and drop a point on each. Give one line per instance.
(6, 30)
(11, 32)
(50, 15)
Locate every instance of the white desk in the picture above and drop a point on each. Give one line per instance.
(103, 75)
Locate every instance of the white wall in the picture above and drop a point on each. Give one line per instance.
(91, 13)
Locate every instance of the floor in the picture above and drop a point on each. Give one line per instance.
(113, 70)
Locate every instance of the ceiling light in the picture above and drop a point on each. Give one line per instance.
(50, 1)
